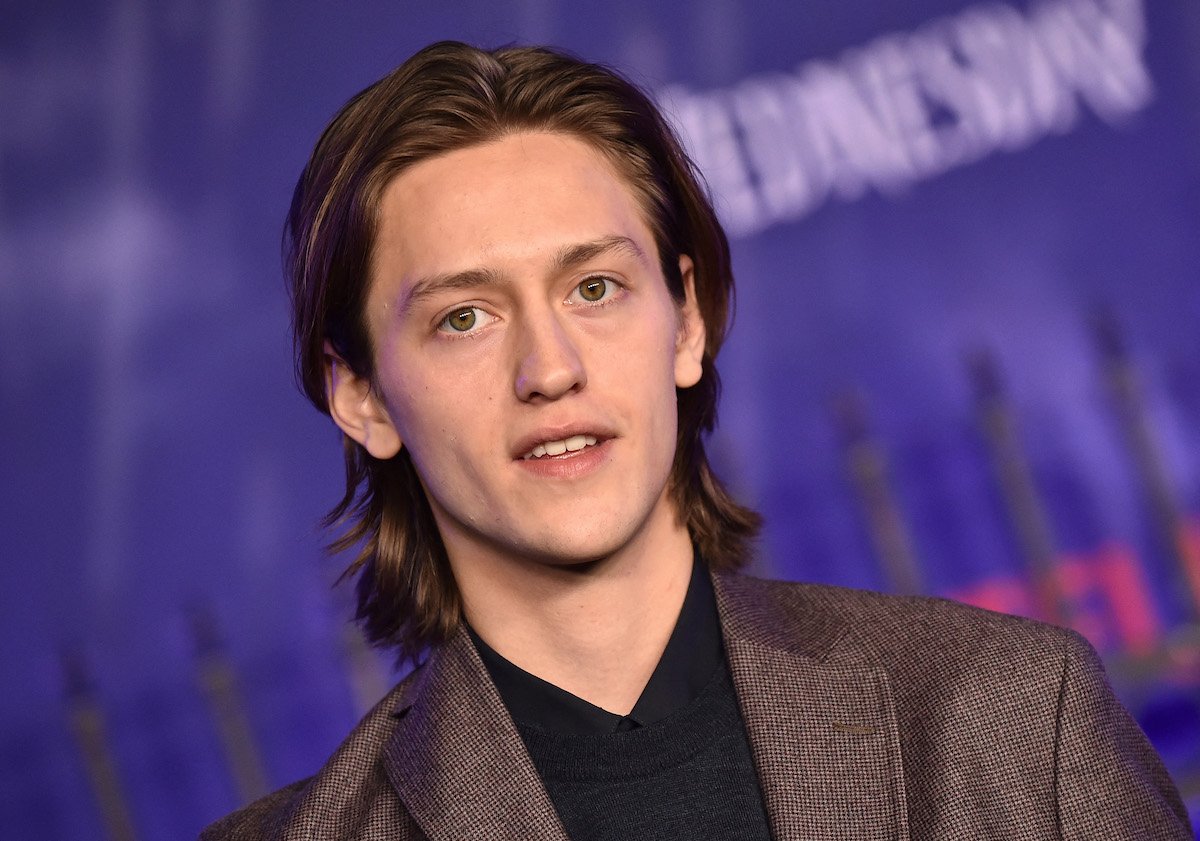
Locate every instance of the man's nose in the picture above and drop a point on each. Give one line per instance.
(549, 365)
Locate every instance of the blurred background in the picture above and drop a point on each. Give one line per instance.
(966, 359)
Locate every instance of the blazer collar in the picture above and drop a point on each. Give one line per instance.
(457, 760)
(818, 710)
(819, 713)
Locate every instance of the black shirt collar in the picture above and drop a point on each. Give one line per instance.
(692, 655)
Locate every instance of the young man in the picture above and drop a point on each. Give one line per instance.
(509, 292)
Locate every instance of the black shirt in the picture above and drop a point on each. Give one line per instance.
(679, 766)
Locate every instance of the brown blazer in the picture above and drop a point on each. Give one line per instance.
(869, 717)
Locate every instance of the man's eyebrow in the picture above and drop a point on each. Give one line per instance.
(467, 279)
(572, 255)
(568, 257)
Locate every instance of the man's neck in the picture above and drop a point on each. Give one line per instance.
(596, 630)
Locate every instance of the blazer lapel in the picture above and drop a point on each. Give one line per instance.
(457, 761)
(820, 718)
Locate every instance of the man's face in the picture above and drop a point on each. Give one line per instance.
(527, 351)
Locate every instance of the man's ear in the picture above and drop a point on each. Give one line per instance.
(690, 335)
(357, 409)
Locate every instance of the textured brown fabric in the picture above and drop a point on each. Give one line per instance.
(869, 717)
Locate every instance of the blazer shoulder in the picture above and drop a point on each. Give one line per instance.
(899, 630)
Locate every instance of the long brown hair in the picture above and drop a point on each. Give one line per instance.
(449, 96)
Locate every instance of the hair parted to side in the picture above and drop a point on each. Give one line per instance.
(446, 97)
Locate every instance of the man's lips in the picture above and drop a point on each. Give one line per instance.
(557, 448)
(560, 440)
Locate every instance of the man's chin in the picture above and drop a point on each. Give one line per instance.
(577, 555)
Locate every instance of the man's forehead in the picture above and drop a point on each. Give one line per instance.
(547, 196)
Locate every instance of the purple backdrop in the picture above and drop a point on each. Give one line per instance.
(965, 360)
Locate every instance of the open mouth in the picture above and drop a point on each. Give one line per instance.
(548, 449)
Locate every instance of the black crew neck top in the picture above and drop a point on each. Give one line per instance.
(679, 766)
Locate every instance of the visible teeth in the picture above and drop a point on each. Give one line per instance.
(557, 448)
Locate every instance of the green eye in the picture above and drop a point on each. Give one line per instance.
(593, 289)
(462, 321)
